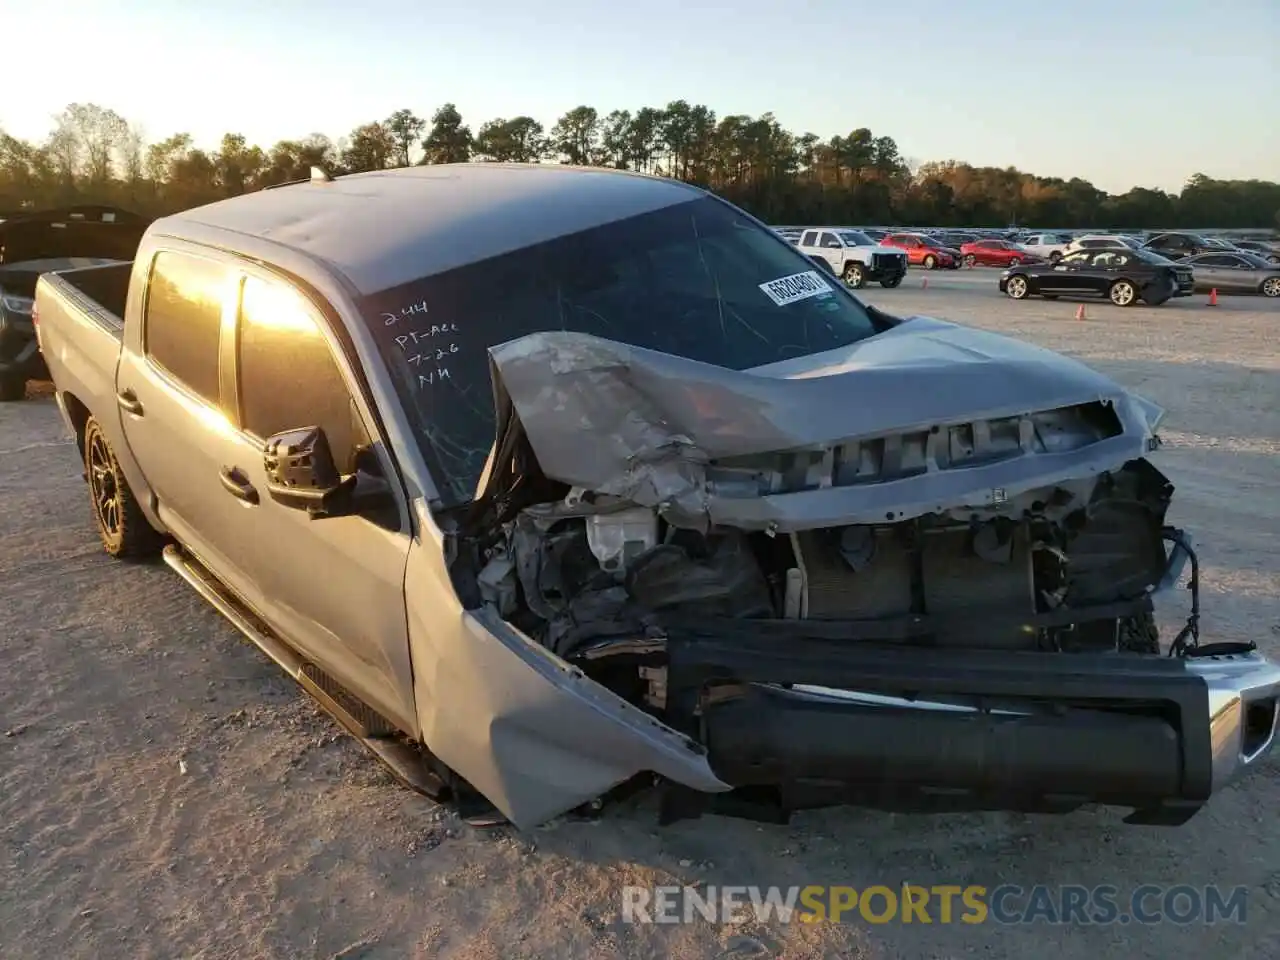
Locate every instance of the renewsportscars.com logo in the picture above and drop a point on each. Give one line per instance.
(1008, 904)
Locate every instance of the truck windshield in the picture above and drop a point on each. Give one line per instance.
(856, 239)
(696, 279)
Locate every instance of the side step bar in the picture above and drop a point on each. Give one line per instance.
(407, 762)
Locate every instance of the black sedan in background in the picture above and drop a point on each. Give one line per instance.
(1122, 276)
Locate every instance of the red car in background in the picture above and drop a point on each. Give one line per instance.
(923, 250)
(997, 253)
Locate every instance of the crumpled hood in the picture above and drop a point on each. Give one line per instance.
(643, 425)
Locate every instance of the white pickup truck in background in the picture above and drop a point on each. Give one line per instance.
(855, 257)
(1051, 246)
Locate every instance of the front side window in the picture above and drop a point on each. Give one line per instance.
(288, 377)
(696, 280)
(830, 241)
(183, 320)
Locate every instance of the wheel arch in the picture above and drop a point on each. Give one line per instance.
(78, 416)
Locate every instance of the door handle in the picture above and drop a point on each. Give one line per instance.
(237, 484)
(128, 401)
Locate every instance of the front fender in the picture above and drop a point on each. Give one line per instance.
(533, 734)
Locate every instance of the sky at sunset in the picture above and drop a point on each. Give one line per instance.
(1143, 92)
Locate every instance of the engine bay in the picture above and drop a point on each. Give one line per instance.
(1068, 568)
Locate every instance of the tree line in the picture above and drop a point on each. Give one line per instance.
(94, 155)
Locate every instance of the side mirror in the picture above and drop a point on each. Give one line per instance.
(823, 263)
(302, 475)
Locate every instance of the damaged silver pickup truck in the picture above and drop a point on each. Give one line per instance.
(551, 482)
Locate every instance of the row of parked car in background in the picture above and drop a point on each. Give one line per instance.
(1125, 268)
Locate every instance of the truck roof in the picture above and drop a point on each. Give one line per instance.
(387, 227)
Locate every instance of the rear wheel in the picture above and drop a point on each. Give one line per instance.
(13, 387)
(970, 260)
(1017, 288)
(930, 262)
(854, 275)
(1271, 287)
(1123, 293)
(122, 527)
(1015, 261)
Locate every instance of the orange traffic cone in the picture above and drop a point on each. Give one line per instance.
(924, 283)
(1080, 313)
(1213, 296)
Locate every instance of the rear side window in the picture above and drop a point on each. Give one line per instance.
(183, 321)
(288, 376)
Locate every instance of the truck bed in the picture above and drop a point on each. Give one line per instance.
(100, 291)
(81, 327)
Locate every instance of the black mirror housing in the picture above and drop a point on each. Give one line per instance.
(302, 475)
(301, 472)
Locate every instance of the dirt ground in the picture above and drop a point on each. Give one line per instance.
(166, 793)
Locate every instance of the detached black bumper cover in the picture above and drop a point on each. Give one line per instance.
(926, 728)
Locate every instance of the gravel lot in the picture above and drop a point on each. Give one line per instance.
(165, 793)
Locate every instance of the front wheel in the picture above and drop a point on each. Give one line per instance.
(13, 387)
(1017, 287)
(891, 282)
(1015, 261)
(122, 527)
(970, 260)
(854, 275)
(1055, 256)
(1123, 293)
(1271, 287)
(930, 262)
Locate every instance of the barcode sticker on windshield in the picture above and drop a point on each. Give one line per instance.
(798, 286)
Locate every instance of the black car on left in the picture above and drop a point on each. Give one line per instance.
(33, 242)
(1122, 276)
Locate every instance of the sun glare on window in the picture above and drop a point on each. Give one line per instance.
(276, 306)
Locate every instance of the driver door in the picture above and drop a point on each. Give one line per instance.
(1236, 274)
(832, 251)
(333, 586)
(1065, 276)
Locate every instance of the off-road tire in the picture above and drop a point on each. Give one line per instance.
(1139, 634)
(122, 526)
(13, 387)
(854, 275)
